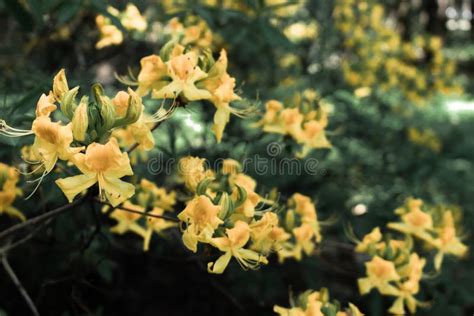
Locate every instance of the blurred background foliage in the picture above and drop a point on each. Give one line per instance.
(76, 267)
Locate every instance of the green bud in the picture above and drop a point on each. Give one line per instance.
(166, 50)
(106, 109)
(68, 103)
(290, 219)
(135, 107)
(80, 120)
(227, 206)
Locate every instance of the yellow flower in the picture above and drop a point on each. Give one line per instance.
(133, 20)
(412, 273)
(233, 246)
(151, 76)
(380, 273)
(230, 167)
(80, 121)
(156, 225)
(157, 197)
(127, 221)
(104, 164)
(447, 241)
(291, 120)
(369, 240)
(184, 73)
(270, 119)
(266, 234)
(45, 105)
(109, 33)
(192, 171)
(60, 88)
(201, 217)
(305, 207)
(415, 222)
(52, 142)
(9, 191)
(221, 85)
(249, 184)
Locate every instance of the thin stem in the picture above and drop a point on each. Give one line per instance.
(40, 218)
(122, 208)
(19, 286)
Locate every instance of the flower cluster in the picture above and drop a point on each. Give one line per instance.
(152, 203)
(85, 141)
(316, 303)
(303, 123)
(425, 138)
(437, 227)
(395, 269)
(378, 57)
(194, 32)
(227, 213)
(184, 75)
(110, 34)
(9, 191)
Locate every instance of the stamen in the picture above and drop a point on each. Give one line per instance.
(9, 131)
(45, 173)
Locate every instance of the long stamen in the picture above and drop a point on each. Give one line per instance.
(45, 173)
(31, 172)
(9, 131)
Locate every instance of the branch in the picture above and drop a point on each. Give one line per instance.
(19, 286)
(122, 208)
(40, 218)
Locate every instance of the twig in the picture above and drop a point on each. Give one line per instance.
(24, 239)
(41, 218)
(122, 208)
(19, 286)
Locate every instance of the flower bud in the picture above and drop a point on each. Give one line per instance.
(107, 109)
(135, 107)
(80, 120)
(60, 86)
(68, 103)
(290, 219)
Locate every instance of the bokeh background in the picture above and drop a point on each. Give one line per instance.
(411, 135)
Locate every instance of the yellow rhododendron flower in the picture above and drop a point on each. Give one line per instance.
(158, 197)
(249, 184)
(230, 167)
(133, 20)
(52, 142)
(127, 221)
(184, 72)
(103, 164)
(201, 217)
(9, 191)
(192, 171)
(380, 273)
(45, 105)
(412, 272)
(305, 207)
(415, 222)
(109, 33)
(266, 234)
(221, 85)
(370, 239)
(156, 225)
(152, 72)
(448, 242)
(233, 246)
